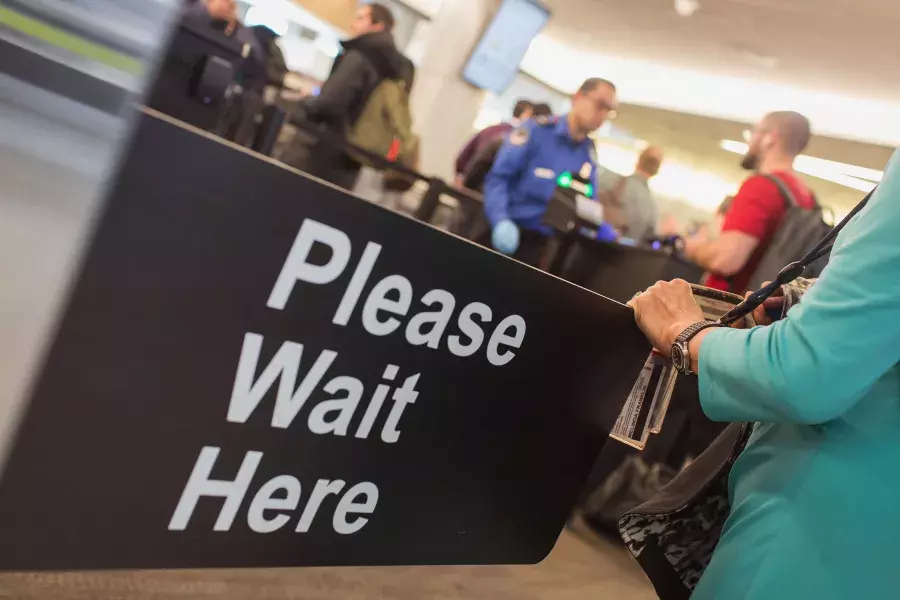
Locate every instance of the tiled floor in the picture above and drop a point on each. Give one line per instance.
(577, 569)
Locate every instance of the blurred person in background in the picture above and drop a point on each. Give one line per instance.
(669, 225)
(522, 111)
(757, 209)
(222, 16)
(721, 211)
(275, 65)
(703, 232)
(814, 494)
(541, 110)
(523, 178)
(245, 94)
(483, 161)
(267, 70)
(367, 59)
(628, 203)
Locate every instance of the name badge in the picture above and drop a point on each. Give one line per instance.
(542, 173)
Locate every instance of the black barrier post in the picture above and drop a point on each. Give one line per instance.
(272, 120)
(560, 248)
(430, 200)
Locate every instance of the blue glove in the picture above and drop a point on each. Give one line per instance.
(505, 237)
(606, 233)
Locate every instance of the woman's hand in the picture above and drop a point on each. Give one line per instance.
(775, 301)
(664, 311)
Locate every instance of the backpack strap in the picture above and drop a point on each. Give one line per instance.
(793, 270)
(786, 193)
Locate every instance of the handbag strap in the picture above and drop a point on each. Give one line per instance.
(793, 270)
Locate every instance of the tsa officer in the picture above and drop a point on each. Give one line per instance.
(523, 177)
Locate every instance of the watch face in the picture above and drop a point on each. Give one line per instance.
(678, 358)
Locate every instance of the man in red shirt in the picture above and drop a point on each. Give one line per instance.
(757, 209)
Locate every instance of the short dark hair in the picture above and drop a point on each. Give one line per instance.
(591, 84)
(793, 130)
(379, 13)
(542, 110)
(520, 107)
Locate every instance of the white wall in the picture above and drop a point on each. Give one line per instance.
(443, 106)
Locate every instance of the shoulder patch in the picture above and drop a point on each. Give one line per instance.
(592, 152)
(519, 136)
(545, 120)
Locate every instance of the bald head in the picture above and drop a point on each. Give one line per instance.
(776, 141)
(791, 130)
(650, 161)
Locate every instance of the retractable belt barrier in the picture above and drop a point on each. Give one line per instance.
(274, 118)
(257, 369)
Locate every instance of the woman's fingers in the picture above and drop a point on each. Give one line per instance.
(760, 313)
(664, 310)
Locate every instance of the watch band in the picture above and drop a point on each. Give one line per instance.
(688, 334)
(681, 354)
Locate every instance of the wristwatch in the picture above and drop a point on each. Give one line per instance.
(681, 354)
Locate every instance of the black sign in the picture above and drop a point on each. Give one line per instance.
(257, 369)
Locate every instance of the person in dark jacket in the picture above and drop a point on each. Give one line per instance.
(268, 70)
(479, 165)
(222, 16)
(367, 58)
(522, 111)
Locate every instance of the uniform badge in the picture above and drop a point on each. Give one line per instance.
(542, 173)
(585, 172)
(518, 137)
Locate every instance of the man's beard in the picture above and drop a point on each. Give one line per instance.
(750, 161)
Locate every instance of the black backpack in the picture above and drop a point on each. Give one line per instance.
(800, 229)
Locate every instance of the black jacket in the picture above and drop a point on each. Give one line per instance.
(364, 63)
(275, 67)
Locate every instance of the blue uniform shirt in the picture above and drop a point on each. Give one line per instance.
(524, 174)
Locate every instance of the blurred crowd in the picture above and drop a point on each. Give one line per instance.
(362, 110)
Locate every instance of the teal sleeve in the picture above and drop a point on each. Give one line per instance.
(813, 366)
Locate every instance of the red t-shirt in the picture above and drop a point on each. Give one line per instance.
(757, 210)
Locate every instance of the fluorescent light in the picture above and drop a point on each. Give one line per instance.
(268, 16)
(851, 176)
(555, 61)
(733, 146)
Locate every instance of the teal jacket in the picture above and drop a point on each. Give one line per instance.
(816, 493)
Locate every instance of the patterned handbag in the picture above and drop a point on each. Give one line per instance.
(673, 535)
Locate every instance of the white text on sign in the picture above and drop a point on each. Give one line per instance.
(388, 302)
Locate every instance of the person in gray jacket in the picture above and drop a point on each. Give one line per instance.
(628, 203)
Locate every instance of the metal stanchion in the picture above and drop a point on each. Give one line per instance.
(273, 119)
(431, 200)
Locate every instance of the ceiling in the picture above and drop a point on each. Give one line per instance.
(694, 141)
(844, 46)
(834, 60)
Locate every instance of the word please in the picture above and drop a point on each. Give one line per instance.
(391, 297)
